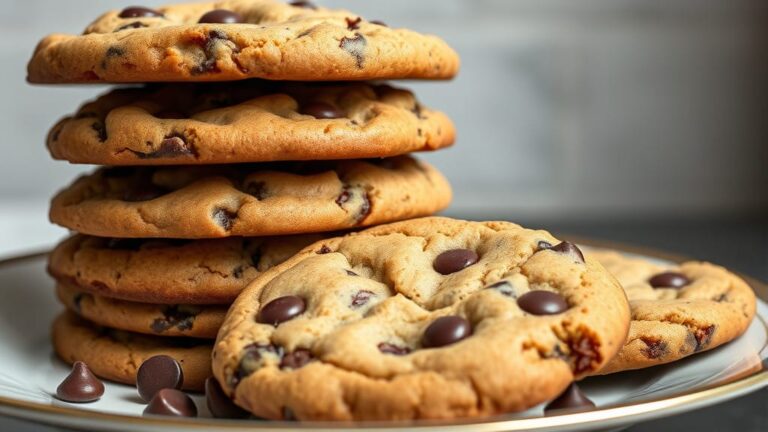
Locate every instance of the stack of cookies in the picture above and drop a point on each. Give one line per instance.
(225, 157)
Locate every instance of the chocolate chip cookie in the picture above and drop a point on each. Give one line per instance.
(249, 200)
(677, 310)
(200, 321)
(253, 121)
(427, 318)
(116, 355)
(237, 39)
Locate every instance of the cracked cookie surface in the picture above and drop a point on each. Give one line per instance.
(677, 310)
(427, 318)
(249, 39)
(254, 121)
(198, 321)
(116, 355)
(249, 200)
(191, 271)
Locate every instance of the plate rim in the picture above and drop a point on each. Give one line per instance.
(60, 415)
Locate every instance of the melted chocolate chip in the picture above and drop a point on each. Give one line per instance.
(252, 360)
(454, 260)
(571, 398)
(355, 47)
(321, 110)
(219, 404)
(81, 385)
(353, 23)
(584, 352)
(209, 50)
(101, 130)
(445, 331)
(296, 359)
(324, 250)
(281, 309)
(180, 316)
(703, 336)
(303, 4)
(171, 402)
(171, 147)
(654, 348)
(221, 16)
(669, 280)
(565, 247)
(157, 373)
(361, 297)
(139, 12)
(540, 302)
(388, 348)
(224, 217)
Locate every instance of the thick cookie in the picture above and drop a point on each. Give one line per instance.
(116, 355)
(676, 310)
(168, 271)
(249, 200)
(237, 39)
(199, 321)
(428, 318)
(253, 121)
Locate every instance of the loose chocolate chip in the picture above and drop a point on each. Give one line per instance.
(143, 192)
(388, 348)
(565, 247)
(353, 23)
(303, 4)
(157, 373)
(296, 359)
(281, 309)
(221, 16)
(252, 360)
(454, 260)
(571, 398)
(171, 402)
(379, 23)
(669, 280)
(361, 297)
(139, 12)
(219, 404)
(224, 217)
(321, 110)
(81, 385)
(445, 331)
(540, 302)
(355, 47)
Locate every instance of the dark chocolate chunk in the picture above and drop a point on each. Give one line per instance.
(388, 348)
(565, 247)
(281, 309)
(139, 12)
(655, 348)
(361, 297)
(570, 399)
(219, 404)
(221, 16)
(171, 402)
(296, 359)
(355, 47)
(81, 385)
(669, 280)
(157, 373)
(445, 331)
(172, 146)
(584, 352)
(540, 302)
(321, 110)
(454, 260)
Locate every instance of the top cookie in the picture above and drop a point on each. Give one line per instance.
(237, 39)
(427, 318)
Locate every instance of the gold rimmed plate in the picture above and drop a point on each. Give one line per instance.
(31, 372)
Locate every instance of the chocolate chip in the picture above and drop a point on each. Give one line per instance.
(296, 359)
(281, 309)
(504, 288)
(669, 280)
(571, 398)
(324, 250)
(388, 348)
(361, 297)
(379, 23)
(584, 352)
(81, 385)
(219, 404)
(353, 23)
(224, 217)
(355, 47)
(454, 260)
(143, 192)
(303, 4)
(221, 16)
(703, 336)
(171, 402)
(445, 331)
(252, 359)
(139, 12)
(171, 147)
(540, 302)
(101, 130)
(565, 247)
(114, 51)
(157, 373)
(209, 45)
(133, 25)
(180, 316)
(321, 110)
(654, 348)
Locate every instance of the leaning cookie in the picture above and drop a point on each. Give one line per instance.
(198, 321)
(237, 39)
(169, 271)
(250, 200)
(254, 121)
(677, 310)
(116, 355)
(427, 318)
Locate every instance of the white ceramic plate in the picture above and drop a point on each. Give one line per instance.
(30, 373)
